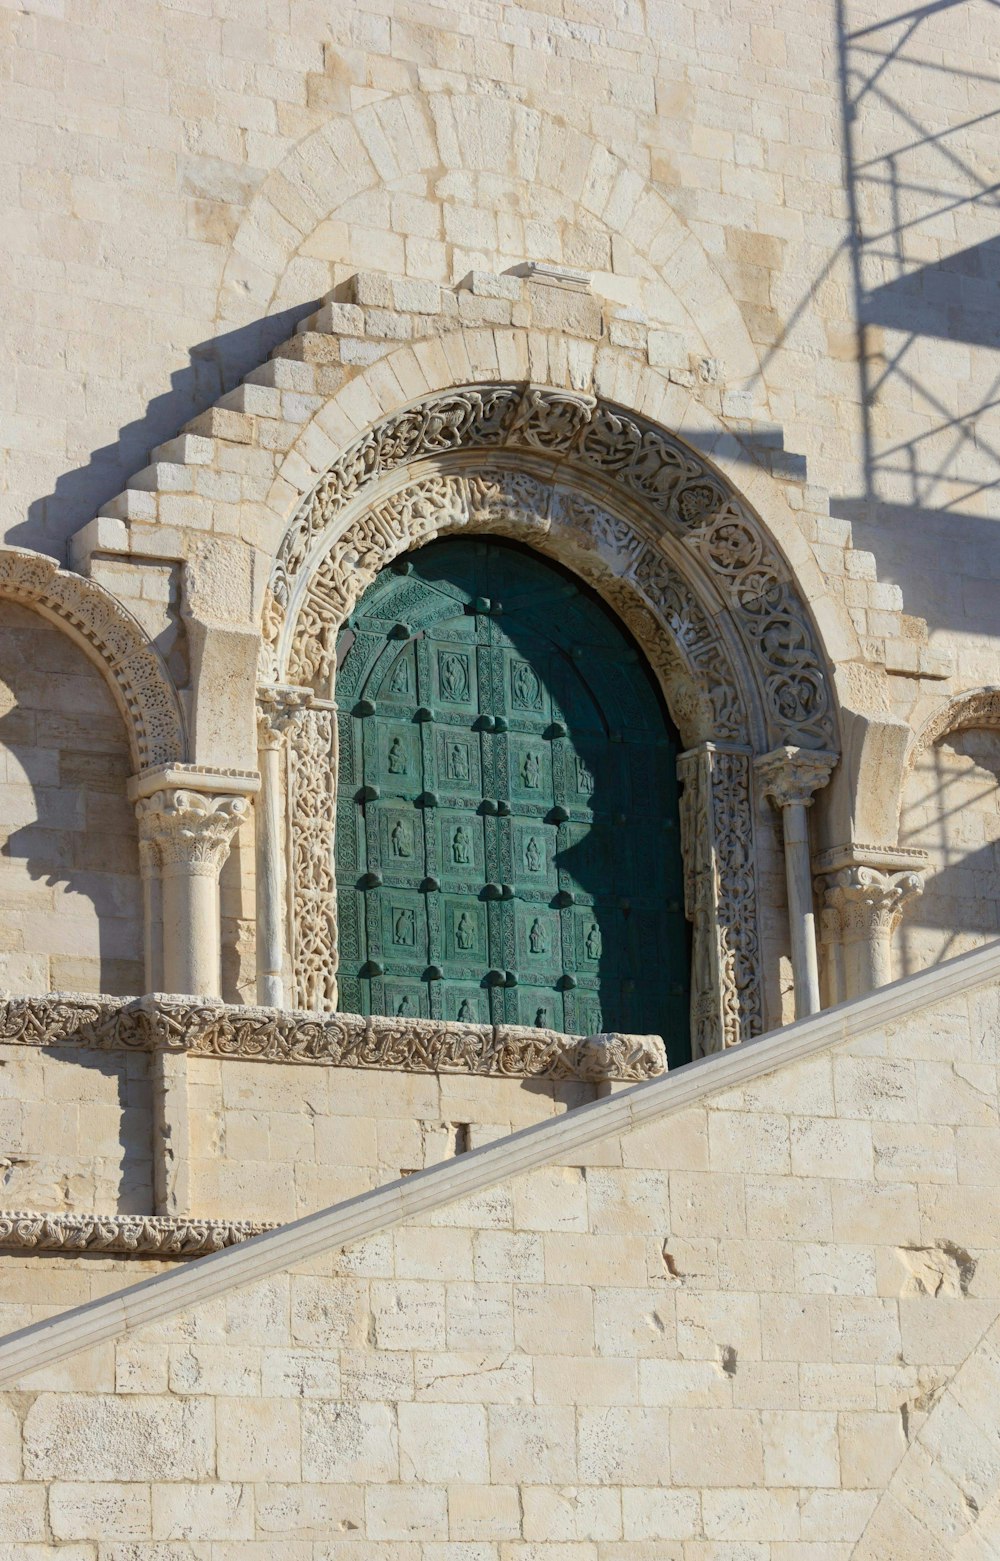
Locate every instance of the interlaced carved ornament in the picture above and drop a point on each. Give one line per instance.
(133, 666)
(574, 436)
(124, 1235)
(158, 1023)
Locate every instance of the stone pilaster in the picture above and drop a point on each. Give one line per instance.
(790, 777)
(277, 710)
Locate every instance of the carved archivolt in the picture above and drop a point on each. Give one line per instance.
(112, 638)
(653, 490)
(686, 565)
(981, 708)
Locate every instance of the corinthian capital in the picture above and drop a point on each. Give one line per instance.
(793, 775)
(868, 902)
(190, 828)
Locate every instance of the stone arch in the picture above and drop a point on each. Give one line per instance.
(471, 134)
(945, 1486)
(948, 809)
(660, 534)
(579, 476)
(111, 638)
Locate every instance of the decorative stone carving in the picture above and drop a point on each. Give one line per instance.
(867, 903)
(720, 897)
(191, 828)
(158, 1023)
(127, 1235)
(790, 777)
(862, 907)
(112, 637)
(594, 444)
(312, 811)
(980, 708)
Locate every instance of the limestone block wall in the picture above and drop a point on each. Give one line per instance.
(69, 870)
(762, 1330)
(273, 1141)
(75, 1131)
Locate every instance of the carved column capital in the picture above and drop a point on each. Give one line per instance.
(278, 709)
(189, 828)
(868, 902)
(791, 776)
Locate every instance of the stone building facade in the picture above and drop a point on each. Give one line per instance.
(498, 561)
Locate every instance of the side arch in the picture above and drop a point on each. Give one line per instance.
(114, 641)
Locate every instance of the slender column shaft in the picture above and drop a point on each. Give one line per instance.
(270, 902)
(790, 777)
(191, 943)
(152, 915)
(801, 915)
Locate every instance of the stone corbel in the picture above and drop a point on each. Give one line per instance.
(790, 777)
(865, 890)
(720, 897)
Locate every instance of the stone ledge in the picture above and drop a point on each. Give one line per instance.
(205, 1028)
(122, 1235)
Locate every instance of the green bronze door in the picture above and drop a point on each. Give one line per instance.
(507, 841)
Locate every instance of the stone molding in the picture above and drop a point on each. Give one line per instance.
(557, 1141)
(122, 1235)
(112, 638)
(160, 1023)
(190, 829)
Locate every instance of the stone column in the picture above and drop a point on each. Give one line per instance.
(790, 777)
(152, 910)
(865, 893)
(192, 832)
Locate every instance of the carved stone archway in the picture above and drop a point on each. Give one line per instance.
(111, 638)
(660, 535)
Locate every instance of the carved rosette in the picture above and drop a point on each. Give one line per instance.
(863, 904)
(720, 897)
(191, 831)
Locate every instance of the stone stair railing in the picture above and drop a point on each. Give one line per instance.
(551, 1142)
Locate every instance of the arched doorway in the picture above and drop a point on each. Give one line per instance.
(507, 840)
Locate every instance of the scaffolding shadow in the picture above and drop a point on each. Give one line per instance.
(920, 132)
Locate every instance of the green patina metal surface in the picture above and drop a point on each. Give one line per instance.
(507, 838)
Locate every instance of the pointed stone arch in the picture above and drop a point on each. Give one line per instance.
(660, 534)
(110, 637)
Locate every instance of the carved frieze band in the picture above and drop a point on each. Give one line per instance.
(155, 1023)
(623, 452)
(720, 897)
(122, 1235)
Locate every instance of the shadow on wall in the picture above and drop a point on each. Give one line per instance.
(951, 809)
(215, 366)
(70, 892)
(920, 148)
